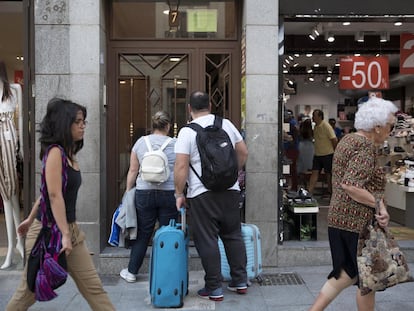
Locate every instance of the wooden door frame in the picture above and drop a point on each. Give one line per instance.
(195, 50)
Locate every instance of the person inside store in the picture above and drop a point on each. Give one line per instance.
(325, 142)
(153, 201)
(61, 137)
(338, 131)
(306, 114)
(306, 151)
(213, 213)
(10, 104)
(291, 147)
(358, 188)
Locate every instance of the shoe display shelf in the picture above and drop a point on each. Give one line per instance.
(399, 194)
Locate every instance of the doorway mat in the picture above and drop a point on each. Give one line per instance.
(402, 233)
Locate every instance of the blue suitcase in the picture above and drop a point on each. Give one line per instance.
(252, 242)
(169, 265)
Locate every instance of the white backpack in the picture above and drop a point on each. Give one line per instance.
(154, 167)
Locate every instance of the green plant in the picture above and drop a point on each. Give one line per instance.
(306, 231)
(288, 219)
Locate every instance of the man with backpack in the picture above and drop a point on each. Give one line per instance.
(209, 153)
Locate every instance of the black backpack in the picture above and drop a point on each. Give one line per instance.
(219, 165)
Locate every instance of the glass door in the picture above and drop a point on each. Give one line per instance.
(148, 83)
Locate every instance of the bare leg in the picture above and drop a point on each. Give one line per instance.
(312, 181)
(12, 217)
(330, 290)
(366, 302)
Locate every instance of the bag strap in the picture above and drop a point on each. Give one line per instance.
(165, 144)
(148, 143)
(43, 187)
(218, 121)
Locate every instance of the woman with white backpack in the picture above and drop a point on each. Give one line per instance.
(151, 172)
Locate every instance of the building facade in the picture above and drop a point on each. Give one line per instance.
(113, 57)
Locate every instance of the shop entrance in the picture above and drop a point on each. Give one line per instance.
(148, 80)
(311, 65)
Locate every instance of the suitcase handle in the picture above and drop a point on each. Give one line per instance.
(183, 219)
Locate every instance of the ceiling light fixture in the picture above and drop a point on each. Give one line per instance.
(398, 23)
(329, 37)
(309, 55)
(359, 36)
(346, 23)
(385, 36)
(328, 54)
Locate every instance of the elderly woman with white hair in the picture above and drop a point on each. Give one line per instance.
(358, 186)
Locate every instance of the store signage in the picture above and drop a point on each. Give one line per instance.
(359, 72)
(407, 53)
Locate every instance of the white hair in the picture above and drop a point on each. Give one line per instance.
(374, 112)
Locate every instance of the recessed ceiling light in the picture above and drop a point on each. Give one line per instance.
(328, 54)
(285, 71)
(309, 55)
(316, 65)
(346, 23)
(290, 57)
(357, 54)
(397, 23)
(296, 55)
(295, 64)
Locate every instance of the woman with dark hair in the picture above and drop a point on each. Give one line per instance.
(10, 103)
(61, 132)
(153, 201)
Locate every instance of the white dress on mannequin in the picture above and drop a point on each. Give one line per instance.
(9, 184)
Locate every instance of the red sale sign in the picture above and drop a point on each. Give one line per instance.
(407, 53)
(360, 72)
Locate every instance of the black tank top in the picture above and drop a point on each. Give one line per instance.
(70, 196)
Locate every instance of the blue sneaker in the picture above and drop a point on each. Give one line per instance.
(215, 295)
(238, 288)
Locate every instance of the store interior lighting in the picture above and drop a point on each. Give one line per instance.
(329, 37)
(359, 36)
(385, 36)
(316, 31)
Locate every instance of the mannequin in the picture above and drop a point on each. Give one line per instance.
(10, 103)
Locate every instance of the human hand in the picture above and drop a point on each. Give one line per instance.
(180, 202)
(66, 244)
(24, 226)
(382, 217)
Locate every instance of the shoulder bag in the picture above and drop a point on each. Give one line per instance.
(46, 268)
(381, 263)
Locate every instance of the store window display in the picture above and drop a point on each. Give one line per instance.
(11, 102)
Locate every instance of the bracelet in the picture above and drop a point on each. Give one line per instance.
(178, 195)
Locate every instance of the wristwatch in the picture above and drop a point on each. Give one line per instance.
(178, 195)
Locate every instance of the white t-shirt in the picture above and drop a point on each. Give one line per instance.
(186, 144)
(140, 148)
